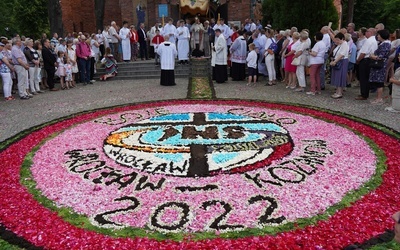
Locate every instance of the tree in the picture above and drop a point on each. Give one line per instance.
(25, 17)
(55, 17)
(308, 14)
(30, 17)
(350, 10)
(367, 13)
(390, 15)
(99, 13)
(7, 25)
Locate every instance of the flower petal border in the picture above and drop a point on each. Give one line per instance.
(48, 230)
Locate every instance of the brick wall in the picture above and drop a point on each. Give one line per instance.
(112, 12)
(238, 10)
(79, 15)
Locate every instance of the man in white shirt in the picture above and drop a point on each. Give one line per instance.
(62, 47)
(114, 39)
(327, 41)
(100, 40)
(253, 26)
(363, 62)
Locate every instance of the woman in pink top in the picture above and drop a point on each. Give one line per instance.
(290, 52)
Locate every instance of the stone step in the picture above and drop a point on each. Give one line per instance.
(145, 65)
(152, 69)
(136, 77)
(145, 69)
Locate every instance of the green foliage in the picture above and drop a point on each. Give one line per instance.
(367, 13)
(25, 17)
(388, 245)
(390, 15)
(7, 246)
(32, 17)
(7, 25)
(200, 88)
(306, 14)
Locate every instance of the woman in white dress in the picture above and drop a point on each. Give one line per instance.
(72, 59)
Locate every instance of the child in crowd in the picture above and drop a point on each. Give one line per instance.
(61, 68)
(68, 74)
(157, 40)
(252, 65)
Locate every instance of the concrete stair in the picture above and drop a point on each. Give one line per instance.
(143, 70)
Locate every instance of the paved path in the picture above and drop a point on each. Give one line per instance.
(18, 115)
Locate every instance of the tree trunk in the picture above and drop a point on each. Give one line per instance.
(99, 13)
(55, 17)
(350, 11)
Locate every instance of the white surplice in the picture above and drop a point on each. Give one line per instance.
(125, 35)
(169, 29)
(167, 52)
(239, 50)
(183, 35)
(221, 51)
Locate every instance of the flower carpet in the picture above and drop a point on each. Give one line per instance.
(200, 174)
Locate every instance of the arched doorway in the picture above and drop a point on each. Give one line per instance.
(212, 12)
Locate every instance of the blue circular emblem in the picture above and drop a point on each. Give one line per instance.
(197, 144)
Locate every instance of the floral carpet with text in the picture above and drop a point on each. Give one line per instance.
(201, 174)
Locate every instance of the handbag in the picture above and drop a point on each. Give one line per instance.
(338, 65)
(296, 61)
(304, 60)
(377, 64)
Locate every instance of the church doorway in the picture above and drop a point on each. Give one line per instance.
(179, 12)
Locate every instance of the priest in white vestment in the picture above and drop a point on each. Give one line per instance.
(225, 30)
(125, 35)
(183, 36)
(221, 57)
(168, 53)
(238, 58)
(170, 30)
(196, 35)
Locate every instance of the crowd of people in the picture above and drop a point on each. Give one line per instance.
(33, 65)
(368, 57)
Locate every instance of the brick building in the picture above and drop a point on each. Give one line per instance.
(78, 15)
